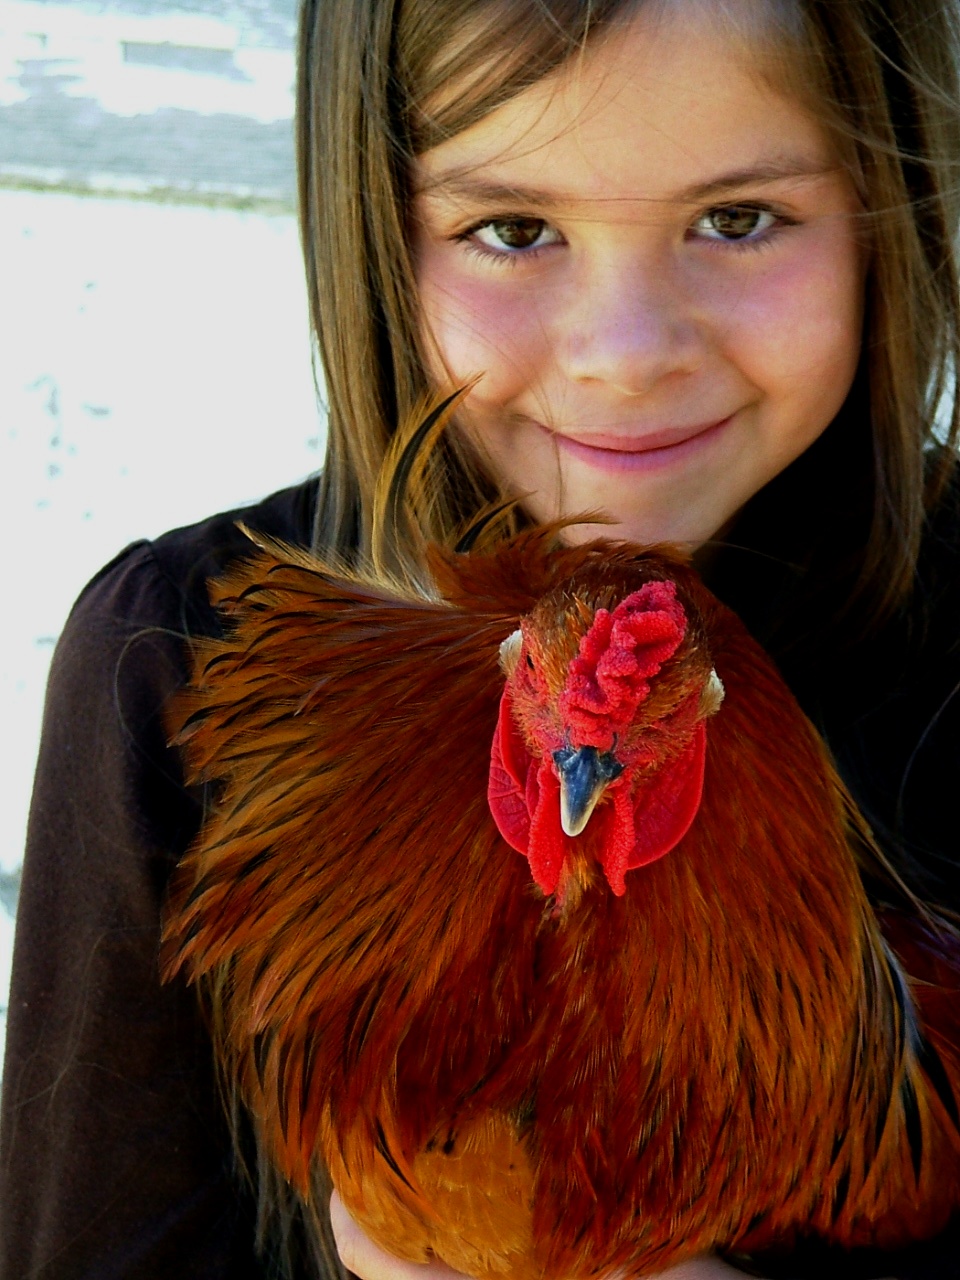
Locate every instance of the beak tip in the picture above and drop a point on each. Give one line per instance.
(570, 826)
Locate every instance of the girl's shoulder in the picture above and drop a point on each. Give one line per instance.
(891, 713)
(123, 653)
(163, 582)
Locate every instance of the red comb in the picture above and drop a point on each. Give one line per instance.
(609, 677)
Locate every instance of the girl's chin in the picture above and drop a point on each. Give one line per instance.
(637, 508)
(643, 533)
(681, 524)
(684, 510)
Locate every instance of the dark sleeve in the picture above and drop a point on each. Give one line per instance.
(114, 1159)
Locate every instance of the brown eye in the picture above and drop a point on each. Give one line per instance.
(734, 222)
(515, 233)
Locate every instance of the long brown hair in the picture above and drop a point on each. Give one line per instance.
(882, 75)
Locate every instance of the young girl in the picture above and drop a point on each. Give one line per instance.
(701, 254)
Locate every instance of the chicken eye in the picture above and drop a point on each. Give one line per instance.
(530, 663)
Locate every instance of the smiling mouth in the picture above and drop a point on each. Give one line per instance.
(641, 452)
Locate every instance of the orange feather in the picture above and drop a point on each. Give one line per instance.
(725, 1057)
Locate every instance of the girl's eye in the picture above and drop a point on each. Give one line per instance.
(513, 235)
(735, 222)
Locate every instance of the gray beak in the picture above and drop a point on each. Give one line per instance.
(584, 776)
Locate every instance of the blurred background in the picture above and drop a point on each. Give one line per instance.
(154, 347)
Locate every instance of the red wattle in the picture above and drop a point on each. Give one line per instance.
(524, 799)
(618, 848)
(507, 787)
(548, 844)
(664, 809)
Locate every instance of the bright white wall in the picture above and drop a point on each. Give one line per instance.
(154, 368)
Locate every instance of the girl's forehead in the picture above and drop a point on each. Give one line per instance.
(664, 106)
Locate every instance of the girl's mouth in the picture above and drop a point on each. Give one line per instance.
(647, 452)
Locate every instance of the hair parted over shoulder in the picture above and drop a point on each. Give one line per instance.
(381, 81)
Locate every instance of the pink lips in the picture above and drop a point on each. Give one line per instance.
(639, 453)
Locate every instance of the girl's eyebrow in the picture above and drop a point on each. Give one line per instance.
(464, 182)
(756, 175)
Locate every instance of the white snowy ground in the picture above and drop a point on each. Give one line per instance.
(154, 368)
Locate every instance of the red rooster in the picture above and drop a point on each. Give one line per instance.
(530, 908)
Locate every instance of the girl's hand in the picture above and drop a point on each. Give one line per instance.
(360, 1255)
(367, 1260)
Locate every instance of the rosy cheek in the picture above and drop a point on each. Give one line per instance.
(798, 332)
(490, 327)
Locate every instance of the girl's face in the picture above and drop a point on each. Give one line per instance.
(652, 260)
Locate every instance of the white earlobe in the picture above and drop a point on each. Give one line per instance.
(510, 652)
(712, 695)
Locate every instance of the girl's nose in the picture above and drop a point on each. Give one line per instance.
(629, 329)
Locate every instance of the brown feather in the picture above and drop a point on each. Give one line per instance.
(726, 1057)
